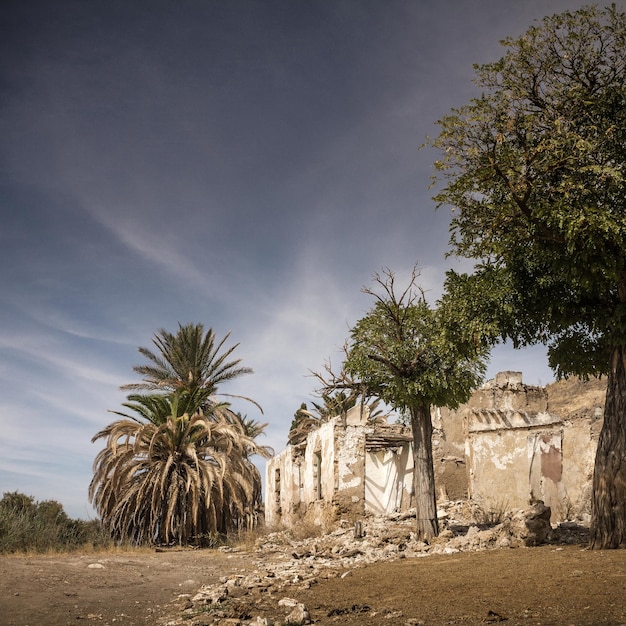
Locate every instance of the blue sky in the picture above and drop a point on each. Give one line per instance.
(245, 164)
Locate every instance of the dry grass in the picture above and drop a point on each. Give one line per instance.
(491, 512)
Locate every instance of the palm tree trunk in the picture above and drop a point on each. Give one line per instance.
(608, 506)
(424, 473)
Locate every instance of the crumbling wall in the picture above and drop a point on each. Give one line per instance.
(283, 486)
(580, 406)
(301, 479)
(527, 443)
(318, 474)
(449, 462)
(350, 469)
(323, 474)
(511, 444)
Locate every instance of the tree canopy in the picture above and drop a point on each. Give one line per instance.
(533, 169)
(403, 350)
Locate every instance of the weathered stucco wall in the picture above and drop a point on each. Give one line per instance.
(325, 472)
(301, 478)
(511, 444)
(350, 467)
(526, 443)
(580, 406)
(450, 464)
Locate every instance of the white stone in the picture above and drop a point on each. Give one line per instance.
(298, 616)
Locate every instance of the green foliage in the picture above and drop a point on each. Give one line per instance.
(534, 171)
(408, 354)
(30, 526)
(189, 359)
(413, 356)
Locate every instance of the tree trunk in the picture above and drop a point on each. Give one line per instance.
(424, 473)
(608, 506)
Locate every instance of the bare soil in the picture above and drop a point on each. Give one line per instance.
(547, 585)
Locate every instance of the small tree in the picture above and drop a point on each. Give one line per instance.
(404, 352)
(534, 169)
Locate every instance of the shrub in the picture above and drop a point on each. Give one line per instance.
(27, 525)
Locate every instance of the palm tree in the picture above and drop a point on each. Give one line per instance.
(189, 360)
(251, 428)
(178, 465)
(335, 404)
(174, 474)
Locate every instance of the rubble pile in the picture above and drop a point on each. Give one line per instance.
(283, 566)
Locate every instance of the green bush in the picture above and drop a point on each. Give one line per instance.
(30, 526)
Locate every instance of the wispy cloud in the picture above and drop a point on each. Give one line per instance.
(252, 175)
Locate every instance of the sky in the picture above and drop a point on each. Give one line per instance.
(244, 164)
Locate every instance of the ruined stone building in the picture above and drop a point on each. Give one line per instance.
(509, 445)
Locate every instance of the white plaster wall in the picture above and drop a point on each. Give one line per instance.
(282, 498)
(298, 488)
(272, 505)
(321, 442)
(389, 479)
(350, 443)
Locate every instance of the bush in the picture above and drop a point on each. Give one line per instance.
(27, 525)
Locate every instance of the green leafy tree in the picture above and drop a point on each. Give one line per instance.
(405, 353)
(27, 525)
(534, 171)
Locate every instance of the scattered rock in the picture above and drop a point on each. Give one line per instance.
(355, 608)
(296, 565)
(492, 616)
(298, 616)
(537, 520)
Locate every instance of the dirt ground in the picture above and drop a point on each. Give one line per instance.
(547, 585)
